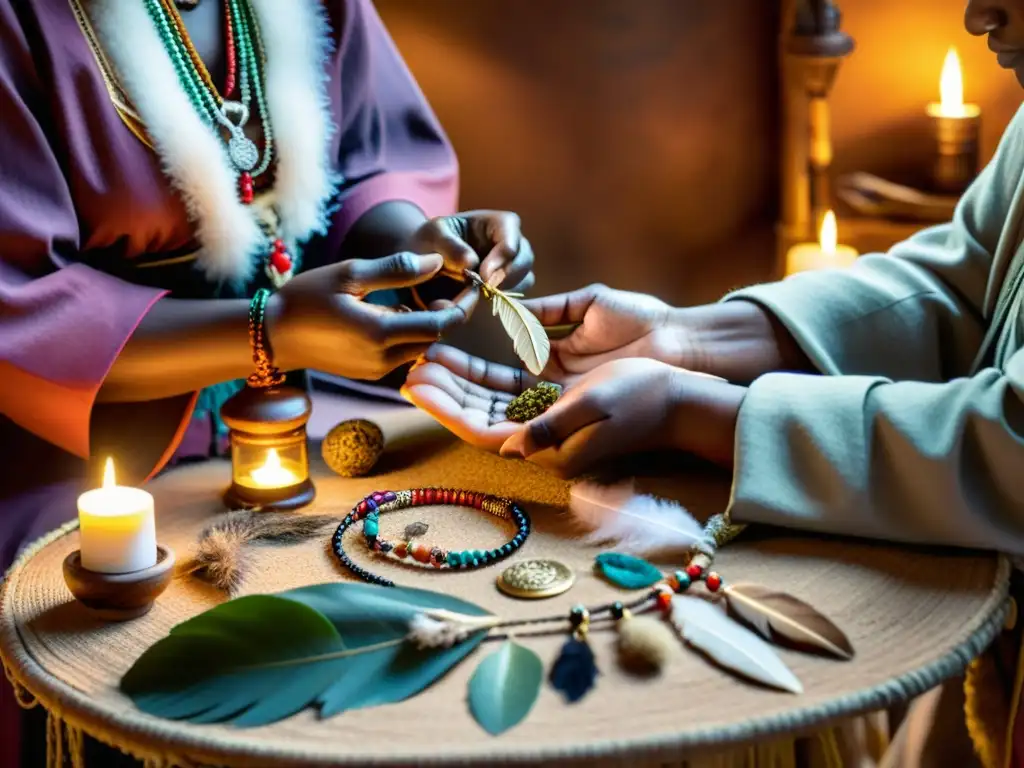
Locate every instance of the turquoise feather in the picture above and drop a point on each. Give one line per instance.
(627, 571)
(258, 659)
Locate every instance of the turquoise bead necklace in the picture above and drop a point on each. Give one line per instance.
(226, 116)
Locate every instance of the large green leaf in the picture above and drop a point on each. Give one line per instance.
(504, 687)
(258, 659)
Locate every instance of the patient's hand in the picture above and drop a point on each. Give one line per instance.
(468, 395)
(612, 325)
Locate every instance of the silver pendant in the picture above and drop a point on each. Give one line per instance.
(243, 152)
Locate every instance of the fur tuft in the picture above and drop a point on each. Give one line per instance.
(221, 557)
(298, 46)
(646, 643)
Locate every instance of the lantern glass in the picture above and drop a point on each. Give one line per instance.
(270, 462)
(269, 453)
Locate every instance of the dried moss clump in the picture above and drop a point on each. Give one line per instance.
(533, 402)
(353, 447)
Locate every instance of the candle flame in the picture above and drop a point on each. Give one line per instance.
(273, 461)
(829, 236)
(951, 85)
(273, 474)
(109, 481)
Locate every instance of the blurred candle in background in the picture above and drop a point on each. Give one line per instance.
(824, 254)
(955, 129)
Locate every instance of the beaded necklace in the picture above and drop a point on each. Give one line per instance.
(244, 55)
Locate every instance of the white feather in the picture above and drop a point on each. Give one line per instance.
(637, 524)
(706, 627)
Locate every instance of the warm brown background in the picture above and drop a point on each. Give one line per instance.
(638, 138)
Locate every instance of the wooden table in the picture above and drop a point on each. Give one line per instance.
(915, 618)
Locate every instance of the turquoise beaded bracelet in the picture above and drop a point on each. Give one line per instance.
(369, 509)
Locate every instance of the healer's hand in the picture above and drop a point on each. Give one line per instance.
(613, 325)
(467, 395)
(319, 320)
(488, 242)
(631, 406)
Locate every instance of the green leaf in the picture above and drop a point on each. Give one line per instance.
(504, 687)
(261, 658)
(627, 571)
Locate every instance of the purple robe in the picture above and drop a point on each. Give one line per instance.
(84, 202)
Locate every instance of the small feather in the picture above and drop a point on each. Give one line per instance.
(529, 338)
(645, 643)
(220, 555)
(705, 627)
(638, 524)
(627, 571)
(504, 687)
(574, 671)
(779, 616)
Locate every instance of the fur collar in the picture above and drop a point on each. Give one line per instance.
(296, 37)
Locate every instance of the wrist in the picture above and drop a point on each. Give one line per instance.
(276, 330)
(737, 340)
(702, 418)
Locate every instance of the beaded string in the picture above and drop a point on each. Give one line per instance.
(369, 509)
(182, 34)
(266, 374)
(196, 79)
(230, 60)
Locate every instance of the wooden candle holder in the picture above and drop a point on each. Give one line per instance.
(119, 596)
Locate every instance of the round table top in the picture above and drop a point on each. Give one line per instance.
(914, 617)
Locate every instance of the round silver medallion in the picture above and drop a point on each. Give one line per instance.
(243, 153)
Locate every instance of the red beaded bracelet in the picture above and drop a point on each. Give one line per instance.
(368, 510)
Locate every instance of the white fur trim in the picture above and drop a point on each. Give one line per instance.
(193, 154)
(297, 44)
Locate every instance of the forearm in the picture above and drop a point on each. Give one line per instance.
(736, 340)
(181, 346)
(381, 231)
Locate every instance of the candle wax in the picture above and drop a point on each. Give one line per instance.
(806, 256)
(117, 530)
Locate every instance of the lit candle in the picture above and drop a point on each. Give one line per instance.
(822, 254)
(273, 474)
(955, 128)
(116, 527)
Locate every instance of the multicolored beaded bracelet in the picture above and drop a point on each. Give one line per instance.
(368, 510)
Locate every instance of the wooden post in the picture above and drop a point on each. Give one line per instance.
(810, 52)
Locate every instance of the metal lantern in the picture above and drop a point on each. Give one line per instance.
(269, 452)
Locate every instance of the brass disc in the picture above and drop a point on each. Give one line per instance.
(534, 579)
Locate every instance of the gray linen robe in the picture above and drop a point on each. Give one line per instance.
(916, 433)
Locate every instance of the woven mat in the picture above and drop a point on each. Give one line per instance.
(914, 618)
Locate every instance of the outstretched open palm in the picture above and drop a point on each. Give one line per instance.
(468, 395)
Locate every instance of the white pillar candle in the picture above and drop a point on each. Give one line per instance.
(117, 528)
(826, 253)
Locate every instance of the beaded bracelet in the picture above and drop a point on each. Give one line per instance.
(368, 510)
(266, 374)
